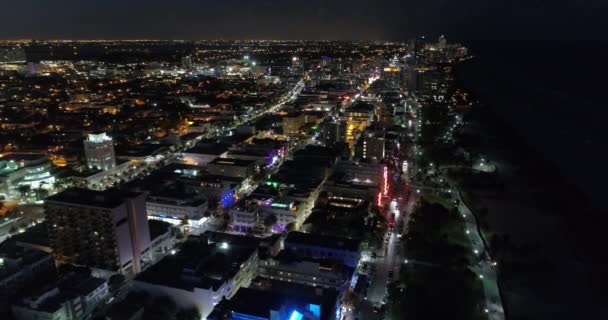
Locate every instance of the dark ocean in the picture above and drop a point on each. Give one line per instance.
(553, 95)
(548, 99)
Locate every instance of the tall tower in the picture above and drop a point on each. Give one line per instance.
(187, 62)
(100, 229)
(442, 43)
(99, 151)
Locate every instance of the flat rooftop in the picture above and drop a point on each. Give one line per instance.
(211, 149)
(198, 264)
(110, 198)
(317, 240)
(22, 156)
(232, 162)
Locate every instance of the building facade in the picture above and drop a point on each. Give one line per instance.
(99, 151)
(100, 229)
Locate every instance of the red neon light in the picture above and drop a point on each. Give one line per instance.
(385, 181)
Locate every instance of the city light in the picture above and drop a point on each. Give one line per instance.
(295, 315)
(385, 180)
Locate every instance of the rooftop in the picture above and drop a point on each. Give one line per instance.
(273, 295)
(199, 264)
(232, 162)
(322, 241)
(110, 198)
(212, 149)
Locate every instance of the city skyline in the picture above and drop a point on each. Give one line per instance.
(291, 160)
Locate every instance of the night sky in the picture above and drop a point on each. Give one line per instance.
(310, 19)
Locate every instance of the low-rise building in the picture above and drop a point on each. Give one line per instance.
(286, 211)
(280, 300)
(178, 208)
(324, 247)
(245, 216)
(32, 170)
(287, 266)
(231, 167)
(202, 154)
(20, 268)
(71, 298)
(201, 273)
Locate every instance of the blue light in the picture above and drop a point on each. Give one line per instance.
(315, 309)
(241, 316)
(227, 200)
(295, 315)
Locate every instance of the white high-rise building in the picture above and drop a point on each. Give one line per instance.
(99, 151)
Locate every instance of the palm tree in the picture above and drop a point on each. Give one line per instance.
(24, 189)
(59, 184)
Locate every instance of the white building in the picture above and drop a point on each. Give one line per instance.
(72, 301)
(179, 209)
(244, 216)
(24, 169)
(286, 211)
(99, 151)
(311, 272)
(201, 274)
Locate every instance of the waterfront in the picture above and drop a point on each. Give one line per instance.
(545, 142)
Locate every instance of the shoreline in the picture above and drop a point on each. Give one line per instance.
(539, 210)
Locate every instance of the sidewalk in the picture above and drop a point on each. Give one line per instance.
(486, 272)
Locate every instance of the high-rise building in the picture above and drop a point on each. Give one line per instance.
(100, 229)
(442, 43)
(292, 123)
(371, 145)
(332, 132)
(187, 62)
(417, 47)
(99, 151)
(392, 76)
(357, 117)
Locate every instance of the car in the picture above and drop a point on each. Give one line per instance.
(377, 309)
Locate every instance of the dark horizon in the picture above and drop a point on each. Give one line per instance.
(315, 20)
